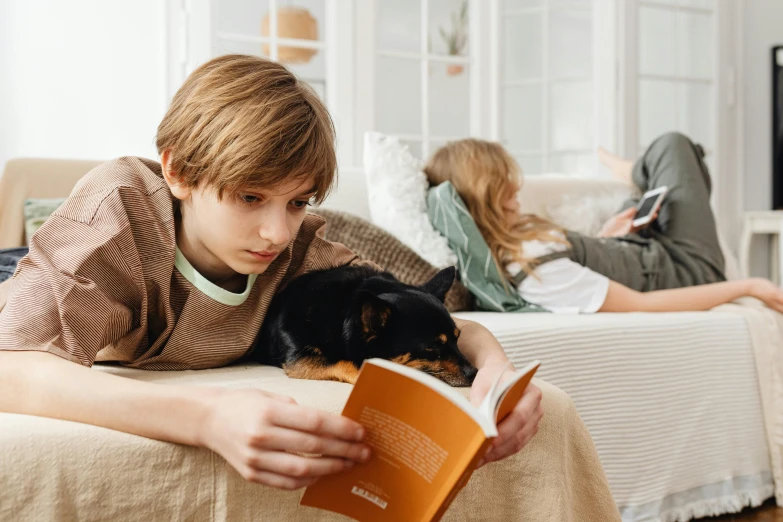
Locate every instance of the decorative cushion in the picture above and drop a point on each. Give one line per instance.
(375, 244)
(475, 262)
(397, 192)
(36, 211)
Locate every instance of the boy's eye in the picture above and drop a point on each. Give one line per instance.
(249, 199)
(301, 203)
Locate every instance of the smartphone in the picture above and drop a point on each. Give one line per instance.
(648, 205)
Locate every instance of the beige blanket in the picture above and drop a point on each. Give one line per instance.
(766, 330)
(57, 470)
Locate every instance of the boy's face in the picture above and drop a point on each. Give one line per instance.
(248, 230)
(243, 233)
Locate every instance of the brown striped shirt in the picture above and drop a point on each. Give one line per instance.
(104, 281)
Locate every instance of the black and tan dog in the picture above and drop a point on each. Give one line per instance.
(325, 323)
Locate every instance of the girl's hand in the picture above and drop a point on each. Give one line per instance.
(260, 434)
(516, 430)
(622, 224)
(767, 291)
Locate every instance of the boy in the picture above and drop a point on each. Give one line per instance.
(172, 266)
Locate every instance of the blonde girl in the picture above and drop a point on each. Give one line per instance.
(675, 264)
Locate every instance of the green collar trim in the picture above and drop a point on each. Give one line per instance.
(207, 287)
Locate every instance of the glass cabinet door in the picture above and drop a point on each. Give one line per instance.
(423, 71)
(547, 84)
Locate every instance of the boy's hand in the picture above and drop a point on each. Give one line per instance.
(258, 433)
(516, 430)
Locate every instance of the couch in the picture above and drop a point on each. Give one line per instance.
(684, 408)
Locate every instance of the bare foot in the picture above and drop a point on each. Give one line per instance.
(621, 168)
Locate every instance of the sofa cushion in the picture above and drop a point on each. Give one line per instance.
(36, 212)
(397, 192)
(375, 244)
(476, 264)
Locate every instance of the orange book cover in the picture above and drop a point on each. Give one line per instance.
(427, 440)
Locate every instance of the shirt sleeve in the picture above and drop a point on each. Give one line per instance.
(562, 285)
(311, 251)
(72, 295)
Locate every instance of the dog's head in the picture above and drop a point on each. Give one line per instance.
(411, 326)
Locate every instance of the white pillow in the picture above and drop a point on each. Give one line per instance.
(397, 193)
(586, 214)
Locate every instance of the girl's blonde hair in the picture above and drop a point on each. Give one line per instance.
(241, 122)
(485, 175)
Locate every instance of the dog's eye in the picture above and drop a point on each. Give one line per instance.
(442, 338)
(456, 333)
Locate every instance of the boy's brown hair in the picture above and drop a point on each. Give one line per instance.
(242, 122)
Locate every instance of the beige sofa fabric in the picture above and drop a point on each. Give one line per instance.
(61, 471)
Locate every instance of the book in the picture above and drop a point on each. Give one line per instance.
(427, 439)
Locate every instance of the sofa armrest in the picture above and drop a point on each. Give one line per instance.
(25, 178)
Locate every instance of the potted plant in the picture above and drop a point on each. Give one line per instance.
(457, 37)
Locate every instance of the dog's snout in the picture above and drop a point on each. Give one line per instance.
(469, 372)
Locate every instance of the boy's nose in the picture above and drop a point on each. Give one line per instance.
(275, 230)
(278, 236)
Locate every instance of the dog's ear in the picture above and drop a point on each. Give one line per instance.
(440, 283)
(374, 314)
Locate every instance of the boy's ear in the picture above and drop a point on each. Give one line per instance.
(440, 283)
(374, 314)
(178, 190)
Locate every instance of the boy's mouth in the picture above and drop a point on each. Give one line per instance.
(264, 255)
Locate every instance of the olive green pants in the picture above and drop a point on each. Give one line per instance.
(681, 247)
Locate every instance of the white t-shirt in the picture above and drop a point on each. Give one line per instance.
(560, 285)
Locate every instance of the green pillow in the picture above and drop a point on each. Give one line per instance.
(36, 211)
(477, 268)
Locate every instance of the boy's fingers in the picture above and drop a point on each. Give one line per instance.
(277, 481)
(297, 467)
(513, 445)
(282, 439)
(315, 421)
(283, 398)
(524, 413)
(517, 440)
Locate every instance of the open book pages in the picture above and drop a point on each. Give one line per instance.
(498, 403)
(452, 394)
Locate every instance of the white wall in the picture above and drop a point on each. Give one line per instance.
(81, 79)
(763, 28)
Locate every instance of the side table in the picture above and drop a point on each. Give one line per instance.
(768, 222)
